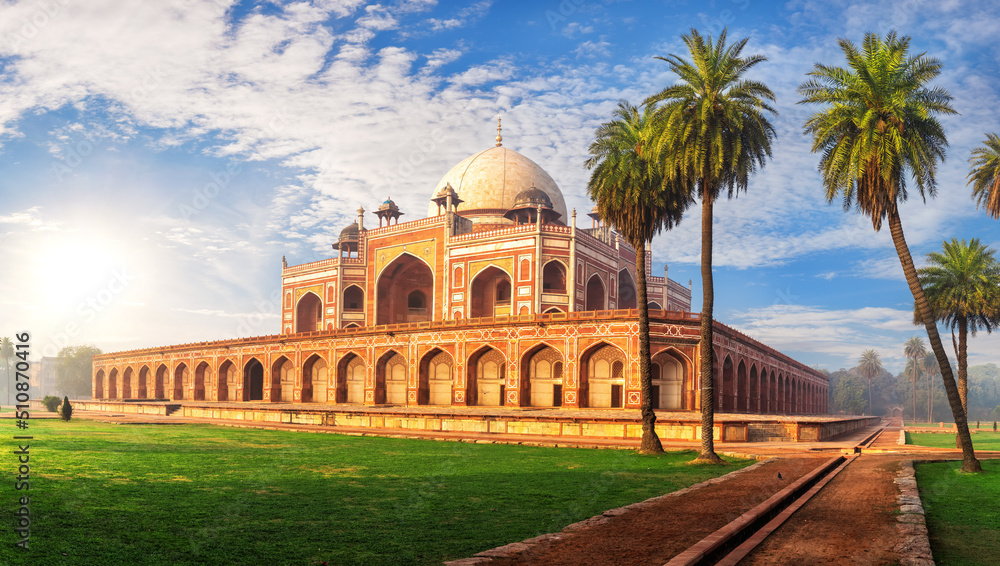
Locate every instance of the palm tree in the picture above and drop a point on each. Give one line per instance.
(985, 175)
(632, 196)
(915, 351)
(962, 285)
(714, 134)
(879, 126)
(870, 366)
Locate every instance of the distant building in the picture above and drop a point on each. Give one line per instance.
(43, 382)
(496, 298)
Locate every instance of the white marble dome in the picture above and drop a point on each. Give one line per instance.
(492, 179)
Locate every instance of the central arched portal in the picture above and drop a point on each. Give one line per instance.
(405, 289)
(253, 381)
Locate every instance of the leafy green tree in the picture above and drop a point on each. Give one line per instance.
(714, 134)
(870, 365)
(878, 126)
(849, 395)
(7, 354)
(633, 197)
(914, 350)
(74, 370)
(985, 175)
(962, 284)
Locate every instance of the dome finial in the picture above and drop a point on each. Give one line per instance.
(499, 137)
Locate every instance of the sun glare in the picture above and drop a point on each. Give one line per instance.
(70, 269)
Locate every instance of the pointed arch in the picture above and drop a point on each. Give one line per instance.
(182, 376)
(142, 387)
(554, 277)
(354, 299)
(753, 399)
(772, 405)
(282, 381)
(782, 394)
(99, 384)
(541, 376)
(404, 278)
(160, 382)
(351, 374)
(486, 377)
(671, 376)
(394, 369)
(595, 295)
(225, 382)
(253, 380)
(490, 293)
(309, 313)
(202, 380)
(626, 290)
(741, 394)
(602, 376)
(725, 396)
(127, 376)
(315, 376)
(436, 378)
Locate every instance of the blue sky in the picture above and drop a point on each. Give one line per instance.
(158, 159)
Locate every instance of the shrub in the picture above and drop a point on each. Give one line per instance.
(51, 403)
(67, 409)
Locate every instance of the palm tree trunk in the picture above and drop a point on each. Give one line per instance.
(969, 461)
(650, 441)
(930, 400)
(869, 396)
(914, 379)
(708, 302)
(963, 363)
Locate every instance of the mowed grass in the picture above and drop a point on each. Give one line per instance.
(963, 512)
(981, 440)
(199, 494)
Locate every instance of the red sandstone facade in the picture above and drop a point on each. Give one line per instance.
(498, 303)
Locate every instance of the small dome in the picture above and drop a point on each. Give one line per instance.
(532, 197)
(349, 234)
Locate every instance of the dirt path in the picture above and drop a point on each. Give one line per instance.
(851, 521)
(655, 533)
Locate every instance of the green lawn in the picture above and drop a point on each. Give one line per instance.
(963, 512)
(981, 440)
(198, 494)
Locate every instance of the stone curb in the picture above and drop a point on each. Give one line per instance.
(510, 551)
(914, 547)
